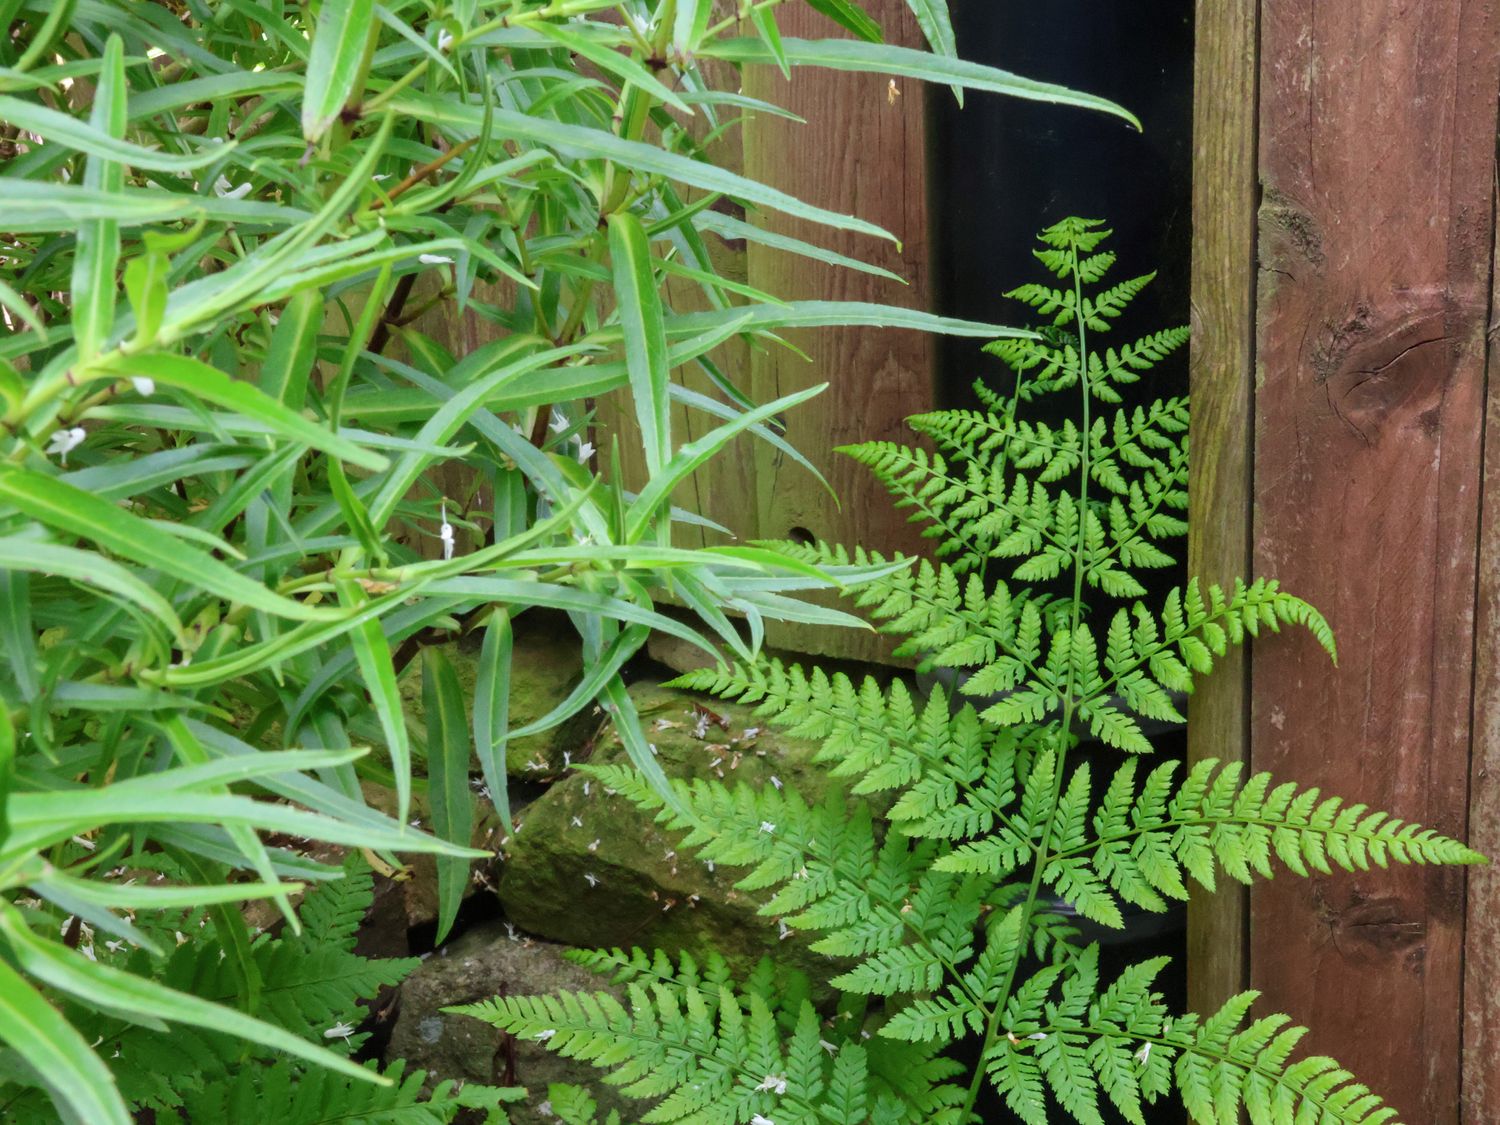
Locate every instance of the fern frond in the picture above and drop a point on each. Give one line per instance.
(288, 1096)
(730, 1062)
(1214, 820)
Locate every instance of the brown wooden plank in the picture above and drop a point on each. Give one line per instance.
(1481, 1036)
(1376, 145)
(1222, 379)
(861, 152)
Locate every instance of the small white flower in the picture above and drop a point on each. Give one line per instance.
(558, 423)
(594, 847)
(545, 1034)
(783, 931)
(445, 533)
(591, 879)
(773, 1082)
(225, 190)
(510, 931)
(568, 760)
(1037, 1036)
(434, 259)
(585, 451)
(143, 386)
(827, 1046)
(1144, 1054)
(380, 176)
(545, 1109)
(63, 442)
(776, 781)
(339, 1031)
(767, 827)
(578, 822)
(761, 1119)
(586, 788)
(445, 40)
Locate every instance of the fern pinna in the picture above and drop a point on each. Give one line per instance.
(950, 914)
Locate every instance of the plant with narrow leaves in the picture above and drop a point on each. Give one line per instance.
(244, 480)
(951, 920)
(299, 988)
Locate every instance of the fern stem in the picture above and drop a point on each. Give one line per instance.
(1065, 727)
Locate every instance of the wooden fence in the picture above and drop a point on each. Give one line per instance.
(1344, 238)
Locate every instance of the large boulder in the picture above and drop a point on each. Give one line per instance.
(587, 868)
(485, 961)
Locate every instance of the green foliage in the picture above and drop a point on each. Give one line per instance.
(948, 916)
(244, 479)
(309, 985)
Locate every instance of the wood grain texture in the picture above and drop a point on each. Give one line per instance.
(1222, 379)
(859, 153)
(1376, 150)
(1481, 1029)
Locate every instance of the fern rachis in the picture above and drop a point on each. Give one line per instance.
(941, 915)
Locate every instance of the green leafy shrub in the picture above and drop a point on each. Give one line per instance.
(229, 510)
(952, 922)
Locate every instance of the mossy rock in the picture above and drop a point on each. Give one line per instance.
(482, 963)
(587, 868)
(547, 664)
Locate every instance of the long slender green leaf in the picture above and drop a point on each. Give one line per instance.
(728, 227)
(212, 385)
(613, 62)
(907, 62)
(373, 653)
(492, 709)
(937, 25)
(61, 1058)
(691, 22)
(621, 649)
(641, 157)
(97, 984)
(851, 17)
(90, 567)
(17, 638)
(73, 511)
(696, 453)
(32, 206)
(336, 62)
(616, 698)
(61, 129)
(448, 791)
(39, 820)
(645, 336)
(99, 239)
(294, 350)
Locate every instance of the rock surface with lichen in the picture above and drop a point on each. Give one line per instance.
(487, 960)
(588, 868)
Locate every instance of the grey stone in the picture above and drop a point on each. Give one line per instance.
(481, 963)
(589, 869)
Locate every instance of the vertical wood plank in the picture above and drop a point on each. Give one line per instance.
(1481, 1036)
(1222, 379)
(863, 153)
(1376, 150)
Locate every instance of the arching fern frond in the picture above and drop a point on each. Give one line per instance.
(945, 880)
(696, 1063)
